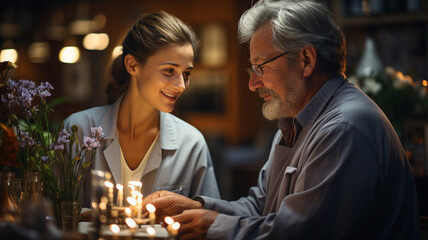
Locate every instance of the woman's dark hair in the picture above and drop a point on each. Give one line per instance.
(149, 34)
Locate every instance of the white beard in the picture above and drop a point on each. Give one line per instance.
(272, 110)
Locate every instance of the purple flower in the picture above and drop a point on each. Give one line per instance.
(25, 140)
(63, 138)
(90, 143)
(43, 90)
(97, 132)
(45, 158)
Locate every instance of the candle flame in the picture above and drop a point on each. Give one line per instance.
(130, 222)
(169, 220)
(135, 183)
(424, 83)
(131, 201)
(119, 186)
(175, 226)
(108, 184)
(137, 194)
(151, 231)
(150, 207)
(114, 228)
(128, 211)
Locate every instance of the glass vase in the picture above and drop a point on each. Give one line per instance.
(70, 213)
(8, 208)
(33, 188)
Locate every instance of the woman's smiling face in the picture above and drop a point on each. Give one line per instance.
(165, 76)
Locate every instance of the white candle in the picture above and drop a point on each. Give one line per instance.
(151, 231)
(169, 221)
(110, 191)
(136, 184)
(175, 226)
(139, 204)
(119, 195)
(151, 208)
(133, 203)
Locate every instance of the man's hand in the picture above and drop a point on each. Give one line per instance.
(194, 223)
(169, 203)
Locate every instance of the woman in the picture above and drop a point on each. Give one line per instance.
(143, 142)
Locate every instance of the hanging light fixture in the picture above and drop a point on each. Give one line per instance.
(96, 41)
(70, 53)
(8, 52)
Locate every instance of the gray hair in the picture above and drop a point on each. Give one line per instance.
(296, 24)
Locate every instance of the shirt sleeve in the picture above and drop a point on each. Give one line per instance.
(338, 178)
(204, 180)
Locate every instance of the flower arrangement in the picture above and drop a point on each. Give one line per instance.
(396, 94)
(58, 155)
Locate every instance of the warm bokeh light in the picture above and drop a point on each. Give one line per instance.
(96, 41)
(150, 207)
(131, 201)
(175, 226)
(38, 52)
(424, 83)
(114, 228)
(119, 186)
(128, 211)
(116, 52)
(130, 222)
(151, 231)
(108, 184)
(169, 220)
(135, 183)
(9, 54)
(99, 21)
(69, 54)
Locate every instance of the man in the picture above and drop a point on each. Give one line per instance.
(336, 169)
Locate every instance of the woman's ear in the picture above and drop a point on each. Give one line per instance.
(308, 61)
(130, 64)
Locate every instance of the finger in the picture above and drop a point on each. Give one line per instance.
(184, 217)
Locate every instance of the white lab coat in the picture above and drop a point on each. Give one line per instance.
(180, 160)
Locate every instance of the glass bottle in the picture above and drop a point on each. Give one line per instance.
(8, 208)
(33, 190)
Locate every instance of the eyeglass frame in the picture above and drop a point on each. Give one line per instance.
(259, 66)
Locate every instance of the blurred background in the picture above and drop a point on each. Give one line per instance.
(71, 43)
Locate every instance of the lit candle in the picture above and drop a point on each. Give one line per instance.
(128, 212)
(110, 191)
(152, 215)
(119, 195)
(131, 224)
(174, 231)
(136, 184)
(133, 202)
(169, 221)
(139, 204)
(115, 229)
(151, 231)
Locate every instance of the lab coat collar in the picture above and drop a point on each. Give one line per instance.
(167, 139)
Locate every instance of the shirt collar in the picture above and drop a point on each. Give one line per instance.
(319, 101)
(167, 133)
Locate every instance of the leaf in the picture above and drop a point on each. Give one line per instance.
(57, 101)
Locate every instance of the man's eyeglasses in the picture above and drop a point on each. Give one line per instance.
(258, 68)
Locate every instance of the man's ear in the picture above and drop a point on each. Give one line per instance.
(130, 64)
(308, 57)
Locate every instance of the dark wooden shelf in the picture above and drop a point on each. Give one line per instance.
(383, 19)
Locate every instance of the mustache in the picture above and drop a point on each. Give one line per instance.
(266, 91)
